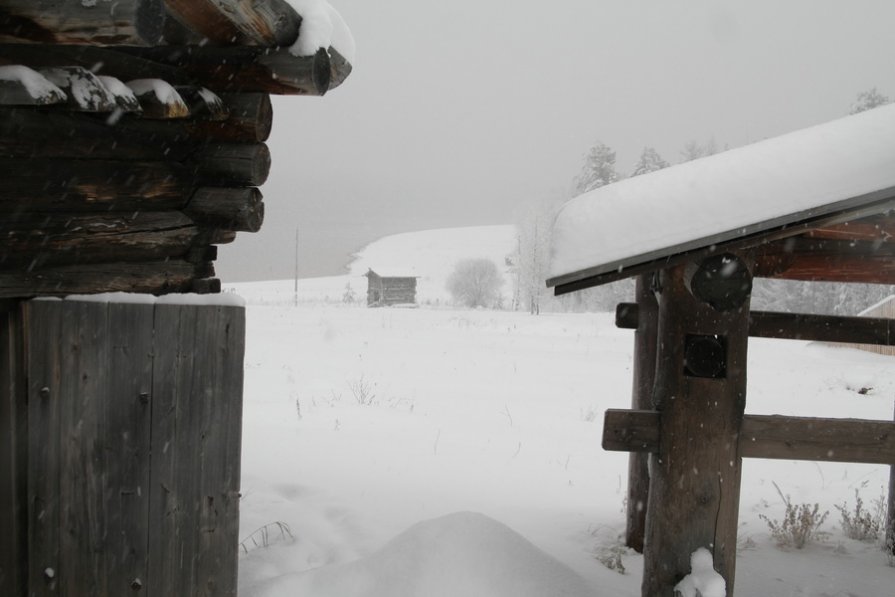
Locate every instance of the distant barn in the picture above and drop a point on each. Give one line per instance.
(385, 291)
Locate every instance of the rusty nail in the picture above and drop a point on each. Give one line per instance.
(144, 398)
(44, 392)
(136, 584)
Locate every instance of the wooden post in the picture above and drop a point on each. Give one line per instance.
(641, 399)
(700, 394)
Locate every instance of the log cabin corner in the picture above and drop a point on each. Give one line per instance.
(132, 144)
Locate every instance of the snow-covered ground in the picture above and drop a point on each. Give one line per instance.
(436, 451)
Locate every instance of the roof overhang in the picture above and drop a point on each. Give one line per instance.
(827, 174)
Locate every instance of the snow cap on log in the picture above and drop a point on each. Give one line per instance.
(158, 99)
(20, 85)
(84, 90)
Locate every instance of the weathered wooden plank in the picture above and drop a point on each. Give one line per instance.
(102, 366)
(644, 374)
(631, 430)
(126, 437)
(878, 331)
(232, 209)
(770, 436)
(13, 453)
(830, 440)
(45, 447)
(129, 22)
(33, 241)
(196, 419)
(156, 277)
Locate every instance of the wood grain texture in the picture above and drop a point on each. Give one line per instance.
(644, 374)
(770, 436)
(13, 453)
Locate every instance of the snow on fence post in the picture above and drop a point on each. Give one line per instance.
(890, 520)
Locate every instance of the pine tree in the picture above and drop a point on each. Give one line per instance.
(694, 149)
(598, 170)
(650, 161)
(868, 100)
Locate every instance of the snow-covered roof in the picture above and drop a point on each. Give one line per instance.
(806, 176)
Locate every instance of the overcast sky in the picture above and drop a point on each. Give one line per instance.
(458, 112)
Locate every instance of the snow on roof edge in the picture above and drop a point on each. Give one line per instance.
(755, 188)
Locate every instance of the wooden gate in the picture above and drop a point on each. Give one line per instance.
(123, 448)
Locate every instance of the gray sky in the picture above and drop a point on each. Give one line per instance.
(461, 112)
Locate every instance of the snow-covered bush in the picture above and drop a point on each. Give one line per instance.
(475, 283)
(863, 524)
(800, 524)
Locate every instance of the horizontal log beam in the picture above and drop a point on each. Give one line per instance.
(230, 209)
(157, 277)
(125, 22)
(29, 241)
(775, 437)
(879, 228)
(232, 164)
(246, 69)
(827, 260)
(29, 133)
(261, 22)
(879, 331)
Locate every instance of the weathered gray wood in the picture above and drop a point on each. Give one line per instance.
(33, 241)
(203, 103)
(128, 22)
(644, 375)
(770, 436)
(339, 70)
(695, 474)
(878, 331)
(45, 449)
(831, 440)
(156, 277)
(196, 413)
(13, 454)
(103, 425)
(237, 209)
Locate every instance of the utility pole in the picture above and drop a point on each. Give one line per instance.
(295, 279)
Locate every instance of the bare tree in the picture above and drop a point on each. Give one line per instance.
(475, 283)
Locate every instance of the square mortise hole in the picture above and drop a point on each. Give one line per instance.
(705, 356)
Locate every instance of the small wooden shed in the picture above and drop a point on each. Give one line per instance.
(386, 291)
(814, 205)
(131, 145)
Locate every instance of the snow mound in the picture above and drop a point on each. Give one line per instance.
(463, 553)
